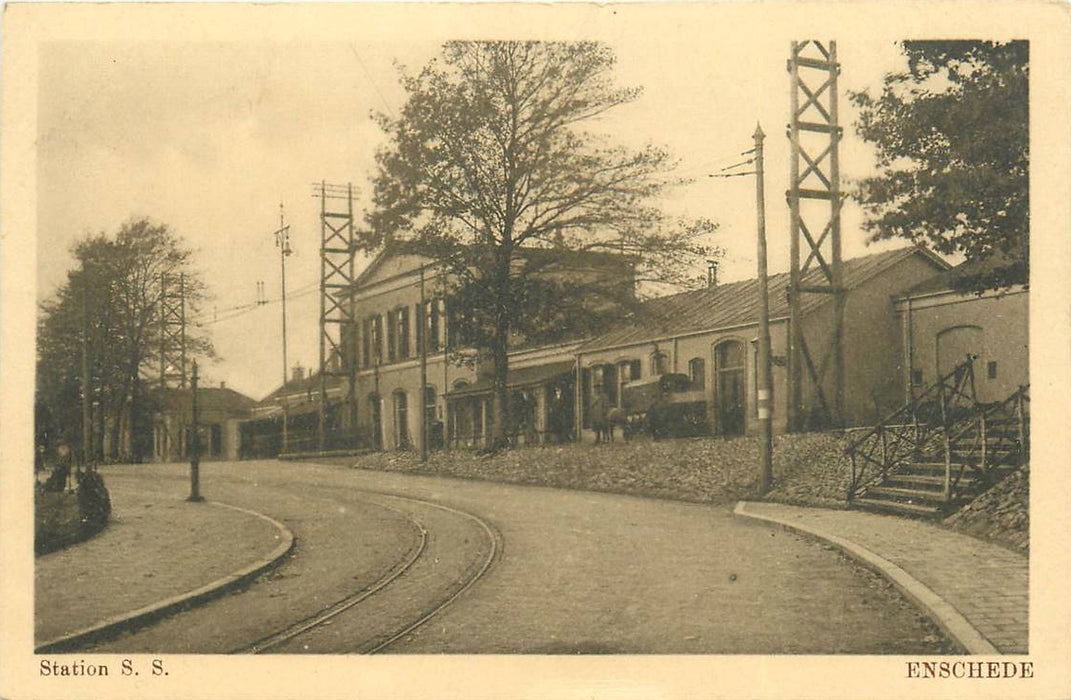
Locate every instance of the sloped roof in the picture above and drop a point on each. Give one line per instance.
(737, 303)
(310, 382)
(946, 279)
(553, 258)
(209, 399)
(518, 378)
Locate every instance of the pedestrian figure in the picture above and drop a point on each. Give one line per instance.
(61, 473)
(599, 407)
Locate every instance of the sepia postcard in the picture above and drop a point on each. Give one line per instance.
(535, 350)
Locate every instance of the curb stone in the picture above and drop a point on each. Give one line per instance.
(950, 620)
(119, 623)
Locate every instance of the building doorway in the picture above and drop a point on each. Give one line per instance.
(730, 362)
(953, 346)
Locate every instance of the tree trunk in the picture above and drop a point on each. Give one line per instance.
(500, 356)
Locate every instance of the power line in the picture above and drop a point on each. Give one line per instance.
(242, 309)
(368, 75)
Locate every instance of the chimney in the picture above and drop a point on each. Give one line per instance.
(712, 273)
(298, 373)
(223, 385)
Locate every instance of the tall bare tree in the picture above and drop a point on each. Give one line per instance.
(111, 302)
(492, 158)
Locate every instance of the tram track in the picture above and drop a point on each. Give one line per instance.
(291, 638)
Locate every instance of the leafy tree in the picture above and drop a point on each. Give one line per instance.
(111, 304)
(491, 174)
(952, 138)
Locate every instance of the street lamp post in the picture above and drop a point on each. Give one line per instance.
(195, 447)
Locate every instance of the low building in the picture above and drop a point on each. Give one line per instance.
(942, 326)
(711, 335)
(220, 413)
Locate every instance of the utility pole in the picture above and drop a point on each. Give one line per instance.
(282, 242)
(423, 321)
(765, 427)
(195, 448)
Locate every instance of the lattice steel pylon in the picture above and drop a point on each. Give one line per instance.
(172, 332)
(337, 352)
(172, 319)
(814, 195)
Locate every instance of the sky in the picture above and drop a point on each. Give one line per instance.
(210, 138)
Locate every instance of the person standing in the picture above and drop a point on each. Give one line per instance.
(599, 408)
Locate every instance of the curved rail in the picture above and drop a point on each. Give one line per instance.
(493, 539)
(274, 640)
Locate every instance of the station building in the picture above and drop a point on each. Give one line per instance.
(708, 335)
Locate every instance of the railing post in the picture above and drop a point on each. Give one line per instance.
(947, 490)
(884, 453)
(918, 440)
(970, 370)
(852, 484)
(1020, 420)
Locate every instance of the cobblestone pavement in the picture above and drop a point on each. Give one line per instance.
(579, 572)
(987, 584)
(155, 547)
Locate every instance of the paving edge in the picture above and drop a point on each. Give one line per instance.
(163, 608)
(950, 620)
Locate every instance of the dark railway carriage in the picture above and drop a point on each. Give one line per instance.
(667, 405)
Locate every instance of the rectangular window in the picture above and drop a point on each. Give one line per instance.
(392, 337)
(419, 324)
(991, 369)
(403, 332)
(634, 369)
(916, 377)
(377, 338)
(366, 342)
(433, 327)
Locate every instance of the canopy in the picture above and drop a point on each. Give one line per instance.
(519, 378)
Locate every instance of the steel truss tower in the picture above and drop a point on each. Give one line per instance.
(172, 330)
(338, 356)
(815, 196)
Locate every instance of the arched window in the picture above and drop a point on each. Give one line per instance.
(401, 420)
(697, 372)
(658, 362)
(730, 393)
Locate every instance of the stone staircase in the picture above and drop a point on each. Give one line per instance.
(935, 455)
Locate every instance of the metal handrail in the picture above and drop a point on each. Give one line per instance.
(947, 436)
(914, 429)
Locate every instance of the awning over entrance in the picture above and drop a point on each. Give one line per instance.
(519, 378)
